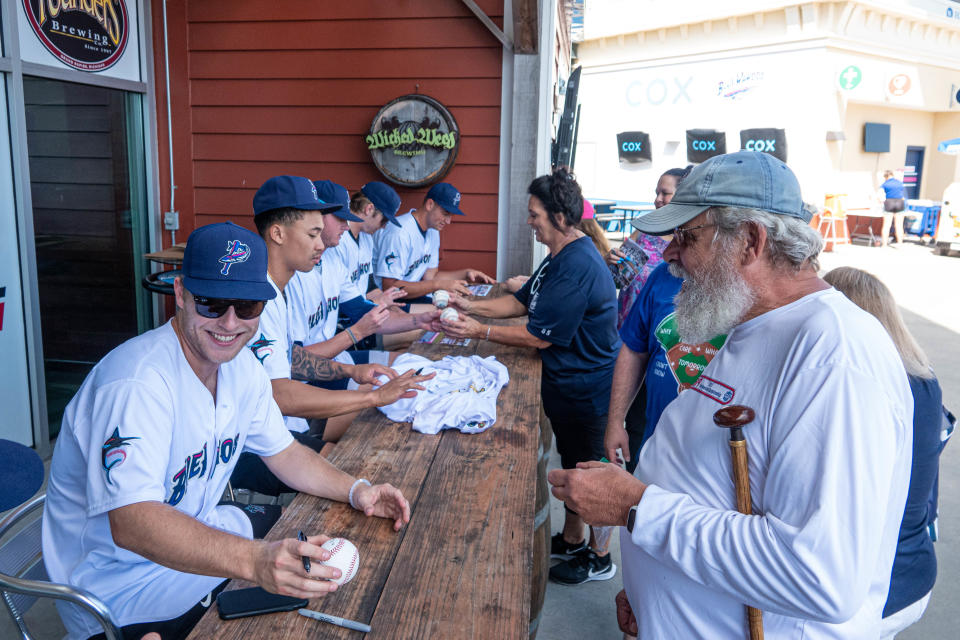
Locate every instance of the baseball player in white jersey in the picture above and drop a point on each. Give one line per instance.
(133, 512)
(316, 297)
(408, 256)
(290, 219)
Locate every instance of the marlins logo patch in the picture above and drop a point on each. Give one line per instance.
(112, 454)
(262, 348)
(390, 259)
(236, 252)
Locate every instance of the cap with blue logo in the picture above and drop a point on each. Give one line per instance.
(447, 196)
(289, 192)
(333, 193)
(384, 198)
(224, 260)
(750, 179)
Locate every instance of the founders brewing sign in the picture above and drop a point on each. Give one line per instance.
(89, 35)
(413, 141)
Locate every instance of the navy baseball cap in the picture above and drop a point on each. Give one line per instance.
(447, 196)
(750, 179)
(289, 192)
(224, 260)
(333, 193)
(384, 198)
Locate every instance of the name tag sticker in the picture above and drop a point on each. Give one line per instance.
(714, 389)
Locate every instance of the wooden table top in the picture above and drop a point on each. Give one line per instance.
(461, 568)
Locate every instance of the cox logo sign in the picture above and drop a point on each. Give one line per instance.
(768, 146)
(632, 146)
(704, 145)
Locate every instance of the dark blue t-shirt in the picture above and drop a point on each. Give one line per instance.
(893, 188)
(572, 304)
(651, 328)
(915, 565)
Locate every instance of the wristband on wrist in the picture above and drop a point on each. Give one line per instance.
(353, 487)
(352, 337)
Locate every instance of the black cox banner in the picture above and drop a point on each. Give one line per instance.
(634, 146)
(772, 141)
(703, 144)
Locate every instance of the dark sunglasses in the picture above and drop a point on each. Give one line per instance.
(216, 307)
(683, 237)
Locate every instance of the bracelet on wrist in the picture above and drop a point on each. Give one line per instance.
(488, 333)
(352, 337)
(353, 488)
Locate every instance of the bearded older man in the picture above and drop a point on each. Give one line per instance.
(829, 448)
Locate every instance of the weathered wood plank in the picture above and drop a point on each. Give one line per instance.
(461, 568)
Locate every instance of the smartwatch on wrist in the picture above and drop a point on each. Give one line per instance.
(631, 518)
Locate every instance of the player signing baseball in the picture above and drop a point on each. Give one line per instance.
(408, 255)
(133, 512)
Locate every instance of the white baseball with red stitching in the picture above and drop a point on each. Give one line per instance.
(343, 556)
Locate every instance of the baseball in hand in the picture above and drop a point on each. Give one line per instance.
(449, 315)
(441, 298)
(343, 556)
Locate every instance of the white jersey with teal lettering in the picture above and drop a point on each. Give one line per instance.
(144, 428)
(406, 252)
(355, 255)
(313, 302)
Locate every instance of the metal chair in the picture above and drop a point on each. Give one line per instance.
(23, 578)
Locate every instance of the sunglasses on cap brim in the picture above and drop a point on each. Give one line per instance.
(216, 307)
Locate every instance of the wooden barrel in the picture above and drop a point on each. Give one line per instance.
(541, 529)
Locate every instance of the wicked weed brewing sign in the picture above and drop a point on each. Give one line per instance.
(89, 35)
(413, 141)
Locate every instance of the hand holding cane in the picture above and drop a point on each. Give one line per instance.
(734, 418)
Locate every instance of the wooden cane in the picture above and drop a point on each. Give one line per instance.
(734, 418)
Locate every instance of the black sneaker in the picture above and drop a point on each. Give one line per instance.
(584, 568)
(560, 548)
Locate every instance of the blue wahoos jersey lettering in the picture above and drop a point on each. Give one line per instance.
(405, 252)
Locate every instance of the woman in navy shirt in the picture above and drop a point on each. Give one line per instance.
(571, 304)
(915, 564)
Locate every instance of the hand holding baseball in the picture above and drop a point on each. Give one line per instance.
(383, 501)
(278, 567)
(459, 302)
(462, 326)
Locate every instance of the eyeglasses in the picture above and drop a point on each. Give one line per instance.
(216, 307)
(683, 237)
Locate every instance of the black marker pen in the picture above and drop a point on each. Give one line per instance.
(306, 559)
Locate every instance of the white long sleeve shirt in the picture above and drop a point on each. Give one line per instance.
(830, 453)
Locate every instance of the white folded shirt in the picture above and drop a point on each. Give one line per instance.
(463, 394)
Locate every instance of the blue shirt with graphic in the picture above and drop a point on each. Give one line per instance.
(650, 328)
(572, 304)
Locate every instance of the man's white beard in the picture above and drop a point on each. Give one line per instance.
(712, 302)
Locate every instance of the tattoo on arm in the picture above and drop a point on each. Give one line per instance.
(307, 366)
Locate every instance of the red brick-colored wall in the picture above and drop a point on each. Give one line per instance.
(266, 88)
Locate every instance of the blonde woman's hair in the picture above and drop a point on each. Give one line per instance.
(590, 227)
(867, 292)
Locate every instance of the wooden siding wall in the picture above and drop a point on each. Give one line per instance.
(266, 88)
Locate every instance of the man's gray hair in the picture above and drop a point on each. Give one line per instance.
(791, 242)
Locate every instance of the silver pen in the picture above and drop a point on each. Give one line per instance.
(337, 620)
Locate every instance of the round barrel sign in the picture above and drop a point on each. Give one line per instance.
(89, 35)
(413, 141)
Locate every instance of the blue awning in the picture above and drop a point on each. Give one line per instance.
(949, 146)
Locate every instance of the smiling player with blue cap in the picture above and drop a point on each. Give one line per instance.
(147, 446)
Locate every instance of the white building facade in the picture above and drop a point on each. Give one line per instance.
(818, 71)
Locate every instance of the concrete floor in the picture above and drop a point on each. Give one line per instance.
(928, 289)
